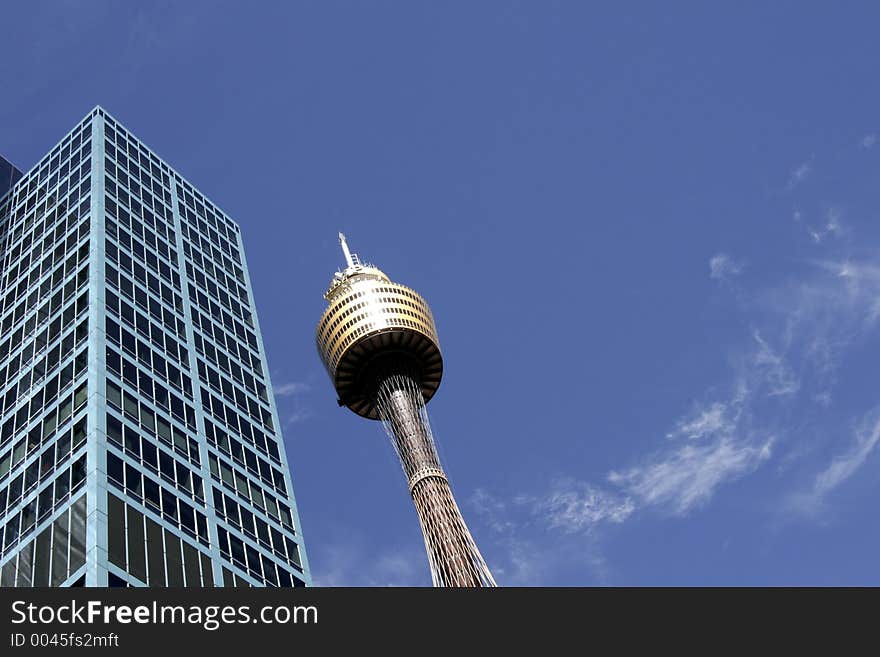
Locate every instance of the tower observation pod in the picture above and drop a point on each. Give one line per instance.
(378, 342)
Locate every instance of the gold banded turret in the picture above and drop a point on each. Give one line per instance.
(369, 320)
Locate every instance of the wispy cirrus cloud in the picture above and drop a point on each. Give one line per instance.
(801, 330)
(492, 509)
(296, 416)
(291, 389)
(861, 280)
(714, 444)
(706, 421)
(845, 465)
(561, 525)
(822, 314)
(568, 506)
(351, 563)
(799, 174)
(722, 266)
(292, 407)
(572, 506)
(717, 442)
(822, 318)
(776, 375)
(687, 477)
(832, 226)
(812, 501)
(778, 404)
(567, 523)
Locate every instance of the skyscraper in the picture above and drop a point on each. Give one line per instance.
(139, 438)
(8, 175)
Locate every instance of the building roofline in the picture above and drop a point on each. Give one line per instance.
(100, 110)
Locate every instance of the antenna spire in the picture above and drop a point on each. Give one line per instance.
(348, 259)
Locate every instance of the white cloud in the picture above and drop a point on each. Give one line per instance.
(869, 140)
(799, 174)
(291, 389)
(569, 506)
(297, 416)
(293, 409)
(819, 319)
(812, 501)
(351, 564)
(845, 465)
(575, 507)
(493, 510)
(800, 333)
(719, 441)
(722, 266)
(776, 375)
(832, 226)
(832, 221)
(716, 443)
(707, 422)
(561, 525)
(862, 290)
(521, 567)
(819, 316)
(687, 477)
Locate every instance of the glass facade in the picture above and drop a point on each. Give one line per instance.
(139, 439)
(9, 175)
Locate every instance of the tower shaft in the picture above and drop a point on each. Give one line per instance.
(453, 555)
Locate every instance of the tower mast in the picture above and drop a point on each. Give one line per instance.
(348, 259)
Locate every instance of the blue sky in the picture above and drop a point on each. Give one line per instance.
(650, 237)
